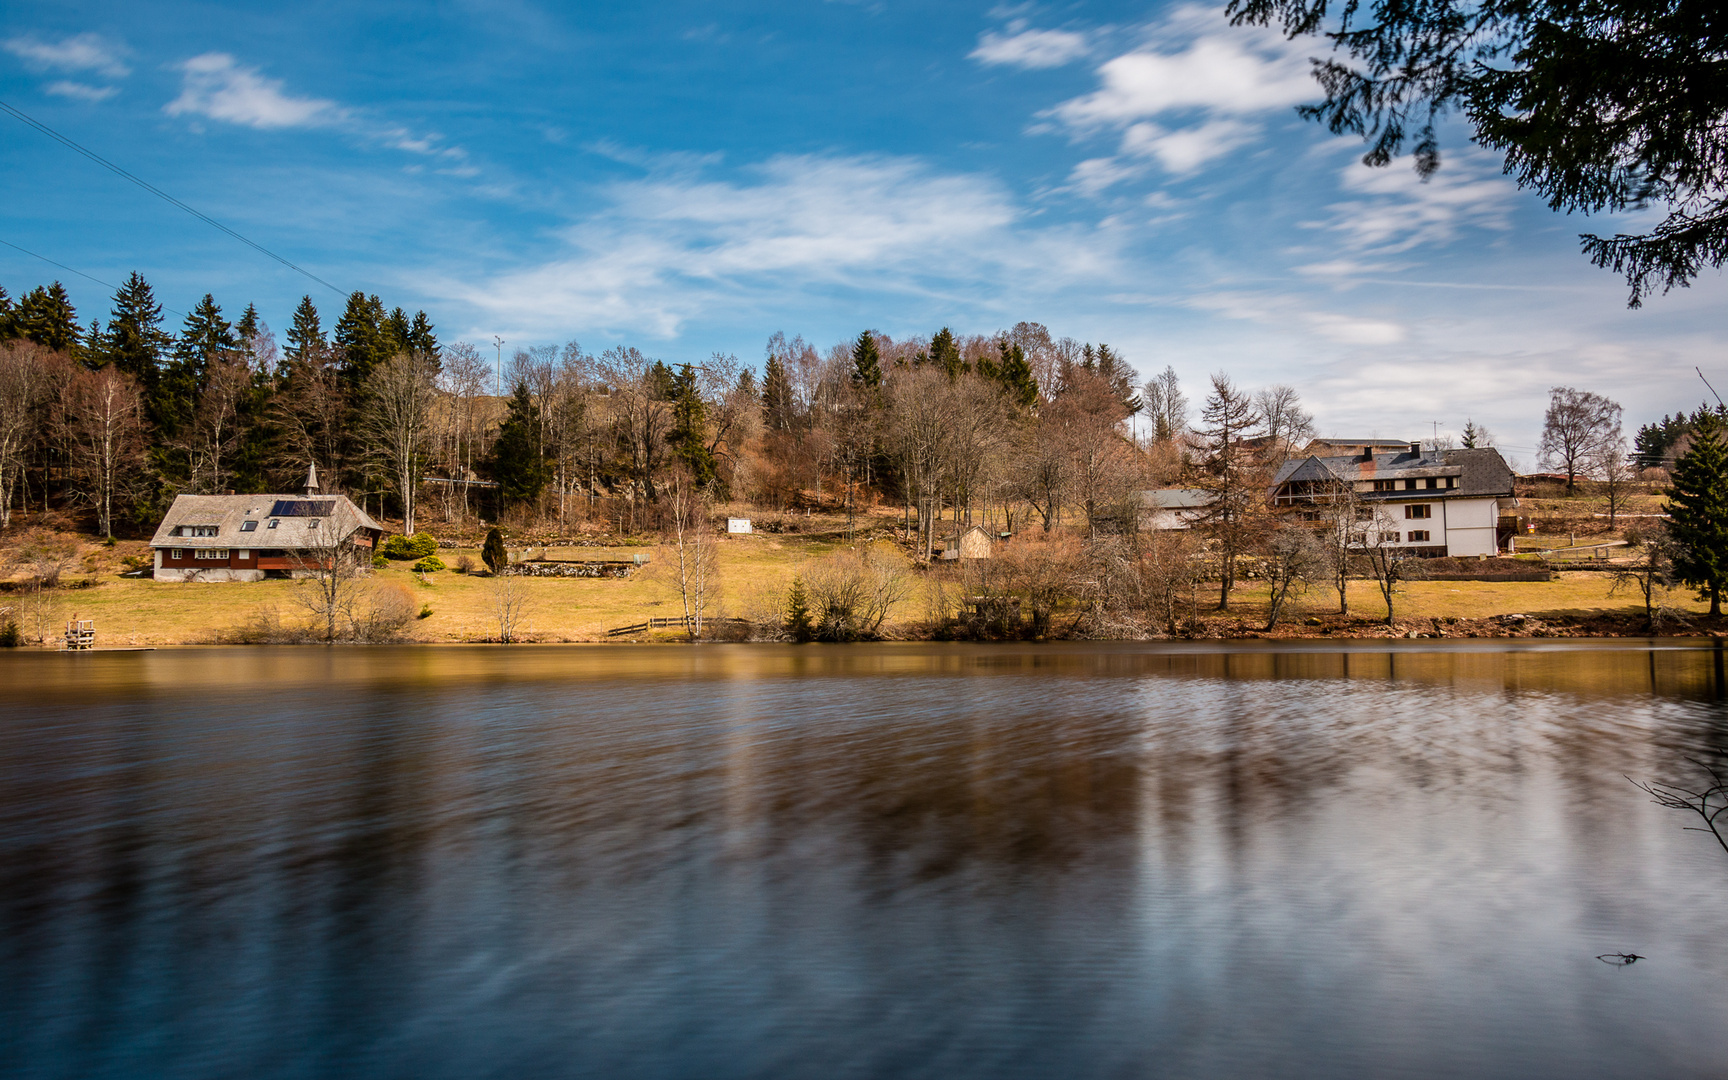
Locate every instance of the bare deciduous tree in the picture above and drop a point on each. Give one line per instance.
(1295, 558)
(25, 383)
(1231, 476)
(1166, 406)
(1284, 423)
(1576, 432)
(401, 392)
(698, 567)
(509, 600)
(104, 423)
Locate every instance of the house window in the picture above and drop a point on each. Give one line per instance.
(313, 524)
(177, 554)
(1410, 485)
(1418, 535)
(1418, 511)
(274, 523)
(1433, 483)
(245, 555)
(212, 554)
(199, 530)
(1385, 485)
(1389, 538)
(248, 526)
(1451, 481)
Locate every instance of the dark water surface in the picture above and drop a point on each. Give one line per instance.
(919, 861)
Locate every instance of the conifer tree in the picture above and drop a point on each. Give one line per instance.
(945, 353)
(361, 340)
(518, 458)
(306, 334)
(8, 316)
(799, 626)
(204, 334)
(46, 316)
(688, 435)
(1014, 374)
(866, 362)
(421, 337)
(135, 342)
(1698, 510)
(493, 553)
(779, 408)
(397, 332)
(247, 328)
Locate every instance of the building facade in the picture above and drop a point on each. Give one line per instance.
(252, 537)
(1432, 502)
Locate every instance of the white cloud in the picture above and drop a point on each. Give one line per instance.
(1190, 93)
(217, 87)
(81, 52)
(669, 247)
(1281, 311)
(80, 91)
(1024, 48)
(1186, 149)
(1395, 211)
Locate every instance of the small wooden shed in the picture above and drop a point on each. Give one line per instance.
(970, 543)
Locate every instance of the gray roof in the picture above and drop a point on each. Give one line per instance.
(1176, 499)
(293, 515)
(1479, 472)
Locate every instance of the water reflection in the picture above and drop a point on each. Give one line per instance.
(857, 861)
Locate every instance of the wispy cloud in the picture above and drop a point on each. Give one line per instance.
(1392, 211)
(1190, 92)
(1023, 47)
(668, 247)
(80, 91)
(216, 86)
(80, 52)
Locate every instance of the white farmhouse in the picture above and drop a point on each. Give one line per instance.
(1433, 502)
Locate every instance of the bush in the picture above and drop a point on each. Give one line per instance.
(10, 636)
(465, 564)
(379, 562)
(382, 614)
(431, 564)
(493, 553)
(425, 611)
(418, 546)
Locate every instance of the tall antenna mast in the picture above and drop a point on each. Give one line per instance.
(498, 369)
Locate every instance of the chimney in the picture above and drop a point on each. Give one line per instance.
(311, 480)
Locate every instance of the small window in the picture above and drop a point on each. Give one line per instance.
(1410, 485)
(273, 523)
(1451, 481)
(1418, 511)
(1433, 483)
(248, 526)
(1418, 536)
(313, 524)
(177, 554)
(1385, 485)
(245, 555)
(1389, 538)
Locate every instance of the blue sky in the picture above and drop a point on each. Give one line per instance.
(692, 177)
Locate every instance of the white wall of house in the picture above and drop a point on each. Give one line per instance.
(1470, 525)
(202, 573)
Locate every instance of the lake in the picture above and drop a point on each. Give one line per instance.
(1119, 860)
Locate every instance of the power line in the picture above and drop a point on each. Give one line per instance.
(80, 273)
(163, 195)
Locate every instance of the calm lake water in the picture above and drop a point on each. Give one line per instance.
(894, 861)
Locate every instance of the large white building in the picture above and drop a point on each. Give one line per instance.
(1433, 502)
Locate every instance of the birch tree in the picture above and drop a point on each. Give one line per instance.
(25, 383)
(103, 414)
(401, 392)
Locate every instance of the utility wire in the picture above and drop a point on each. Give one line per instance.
(80, 273)
(163, 195)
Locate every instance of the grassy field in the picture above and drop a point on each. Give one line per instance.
(755, 572)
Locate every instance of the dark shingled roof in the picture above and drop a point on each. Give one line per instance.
(1480, 472)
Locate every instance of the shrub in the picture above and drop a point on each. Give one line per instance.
(423, 544)
(379, 562)
(382, 614)
(493, 553)
(425, 611)
(431, 564)
(10, 636)
(398, 547)
(464, 564)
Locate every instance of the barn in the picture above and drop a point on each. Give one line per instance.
(253, 537)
